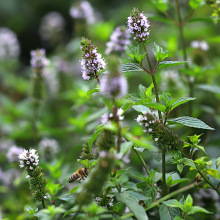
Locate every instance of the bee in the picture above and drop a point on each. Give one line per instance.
(79, 174)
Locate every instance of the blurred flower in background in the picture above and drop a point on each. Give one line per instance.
(118, 40)
(13, 153)
(52, 28)
(48, 148)
(83, 10)
(200, 45)
(38, 59)
(5, 144)
(9, 45)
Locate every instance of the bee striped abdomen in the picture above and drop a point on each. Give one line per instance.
(74, 177)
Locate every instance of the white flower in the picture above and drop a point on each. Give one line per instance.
(28, 158)
(156, 139)
(200, 45)
(38, 59)
(150, 130)
(27, 176)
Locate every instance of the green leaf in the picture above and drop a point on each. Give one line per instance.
(129, 199)
(161, 5)
(190, 122)
(195, 3)
(134, 53)
(156, 105)
(138, 175)
(189, 162)
(141, 109)
(91, 91)
(73, 190)
(125, 147)
(142, 89)
(168, 213)
(95, 136)
(150, 192)
(148, 93)
(180, 101)
(173, 203)
(210, 88)
(140, 149)
(188, 203)
(165, 64)
(140, 141)
(196, 209)
(53, 188)
(130, 67)
(159, 53)
(213, 173)
(217, 163)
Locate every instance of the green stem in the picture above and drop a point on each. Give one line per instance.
(164, 170)
(170, 195)
(142, 160)
(43, 204)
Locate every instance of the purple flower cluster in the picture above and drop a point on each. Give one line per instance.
(92, 62)
(138, 24)
(38, 59)
(115, 86)
(118, 40)
(29, 160)
(13, 153)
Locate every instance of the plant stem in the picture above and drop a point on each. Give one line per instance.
(164, 170)
(43, 204)
(170, 195)
(142, 160)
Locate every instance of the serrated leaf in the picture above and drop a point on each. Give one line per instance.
(168, 213)
(130, 67)
(189, 162)
(190, 122)
(150, 192)
(149, 93)
(165, 64)
(130, 201)
(209, 88)
(173, 203)
(181, 101)
(159, 53)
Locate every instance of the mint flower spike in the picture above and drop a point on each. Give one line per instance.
(38, 59)
(92, 62)
(29, 161)
(138, 24)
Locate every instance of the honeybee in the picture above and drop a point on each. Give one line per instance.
(79, 174)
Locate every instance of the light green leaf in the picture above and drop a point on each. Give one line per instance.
(142, 89)
(159, 53)
(73, 190)
(149, 93)
(168, 213)
(125, 147)
(91, 91)
(181, 101)
(195, 3)
(140, 149)
(161, 5)
(190, 122)
(213, 173)
(188, 203)
(129, 199)
(173, 203)
(53, 188)
(165, 64)
(156, 105)
(196, 209)
(189, 162)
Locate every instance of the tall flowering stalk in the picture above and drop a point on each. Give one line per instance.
(138, 25)
(29, 160)
(92, 62)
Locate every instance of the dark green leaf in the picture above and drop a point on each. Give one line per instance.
(190, 122)
(165, 64)
(130, 67)
(94, 137)
(156, 105)
(168, 213)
